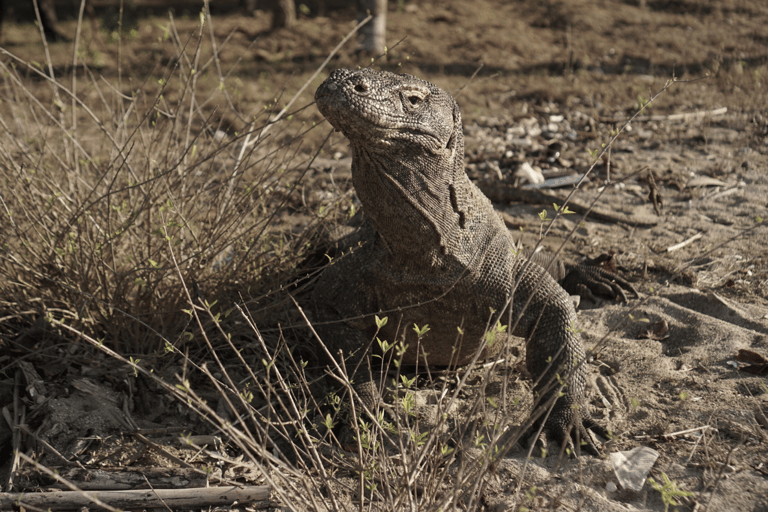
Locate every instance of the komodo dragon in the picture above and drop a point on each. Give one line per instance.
(434, 252)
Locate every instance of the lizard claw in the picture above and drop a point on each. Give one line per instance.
(577, 440)
(590, 279)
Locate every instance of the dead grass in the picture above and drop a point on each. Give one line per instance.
(145, 215)
(98, 193)
(137, 224)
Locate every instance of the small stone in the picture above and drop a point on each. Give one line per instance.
(528, 173)
(611, 487)
(533, 131)
(632, 467)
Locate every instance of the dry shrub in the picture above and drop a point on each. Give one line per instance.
(133, 220)
(103, 187)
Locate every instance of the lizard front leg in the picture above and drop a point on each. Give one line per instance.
(545, 316)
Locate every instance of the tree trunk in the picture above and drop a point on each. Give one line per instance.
(49, 20)
(372, 37)
(284, 15)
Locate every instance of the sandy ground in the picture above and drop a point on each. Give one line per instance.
(556, 79)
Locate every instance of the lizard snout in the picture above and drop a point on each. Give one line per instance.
(326, 89)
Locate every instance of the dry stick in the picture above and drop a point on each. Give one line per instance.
(200, 407)
(340, 371)
(286, 195)
(254, 496)
(160, 450)
(57, 86)
(124, 478)
(237, 436)
(461, 89)
(722, 193)
(17, 82)
(719, 476)
(688, 431)
(48, 60)
(120, 48)
(182, 396)
(294, 408)
(125, 161)
(215, 56)
(232, 68)
(48, 447)
(13, 422)
(280, 114)
(75, 47)
(16, 499)
(223, 368)
(682, 244)
(189, 80)
(192, 86)
(686, 116)
(222, 427)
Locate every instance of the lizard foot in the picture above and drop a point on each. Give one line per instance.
(590, 279)
(577, 440)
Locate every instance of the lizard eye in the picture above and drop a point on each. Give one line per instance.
(413, 98)
(361, 88)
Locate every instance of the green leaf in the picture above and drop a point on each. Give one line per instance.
(421, 331)
(409, 402)
(384, 345)
(669, 491)
(407, 383)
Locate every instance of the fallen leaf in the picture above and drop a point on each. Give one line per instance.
(656, 331)
(759, 362)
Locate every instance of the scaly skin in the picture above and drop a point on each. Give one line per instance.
(434, 250)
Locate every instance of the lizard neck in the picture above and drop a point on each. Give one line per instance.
(414, 201)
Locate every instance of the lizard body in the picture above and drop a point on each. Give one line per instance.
(434, 251)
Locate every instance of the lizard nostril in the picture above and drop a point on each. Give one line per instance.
(362, 88)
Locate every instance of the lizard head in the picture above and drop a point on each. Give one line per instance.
(386, 111)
